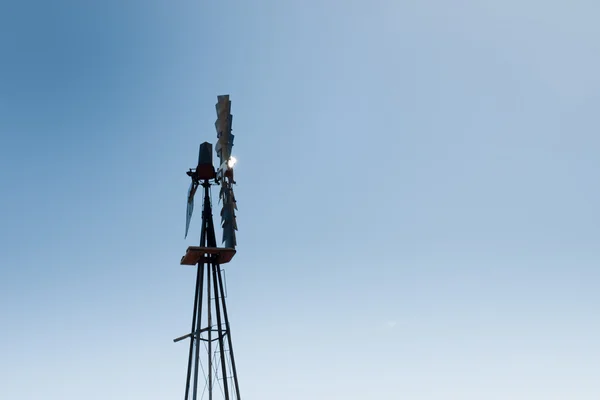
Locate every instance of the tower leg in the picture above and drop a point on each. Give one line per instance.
(196, 318)
(218, 297)
(210, 353)
(197, 332)
(229, 340)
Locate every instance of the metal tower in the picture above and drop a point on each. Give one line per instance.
(211, 348)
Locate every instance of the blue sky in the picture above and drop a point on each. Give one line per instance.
(417, 194)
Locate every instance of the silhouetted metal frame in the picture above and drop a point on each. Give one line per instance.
(208, 239)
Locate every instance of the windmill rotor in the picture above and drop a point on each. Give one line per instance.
(223, 176)
(225, 172)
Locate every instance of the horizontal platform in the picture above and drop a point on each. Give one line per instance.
(196, 254)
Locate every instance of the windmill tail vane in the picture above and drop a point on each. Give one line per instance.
(190, 205)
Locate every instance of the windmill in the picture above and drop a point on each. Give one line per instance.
(210, 333)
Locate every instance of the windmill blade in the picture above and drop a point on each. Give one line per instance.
(223, 127)
(228, 219)
(190, 206)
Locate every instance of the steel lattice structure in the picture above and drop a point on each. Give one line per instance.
(210, 334)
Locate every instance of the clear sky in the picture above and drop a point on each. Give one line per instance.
(417, 190)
